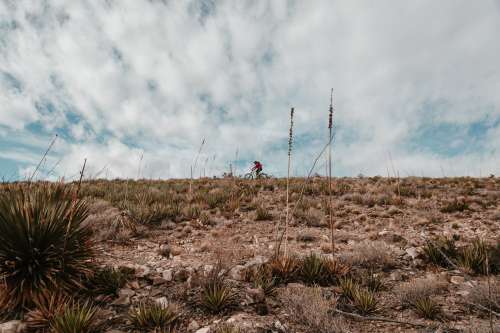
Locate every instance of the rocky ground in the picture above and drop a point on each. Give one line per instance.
(173, 234)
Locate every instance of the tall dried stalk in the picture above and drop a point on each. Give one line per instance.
(330, 133)
(193, 168)
(290, 142)
(43, 159)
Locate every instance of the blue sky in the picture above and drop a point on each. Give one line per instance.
(135, 86)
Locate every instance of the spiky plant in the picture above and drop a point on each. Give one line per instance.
(75, 318)
(46, 308)
(364, 301)
(348, 286)
(216, 294)
(372, 281)
(313, 269)
(262, 214)
(44, 245)
(427, 308)
(108, 280)
(472, 258)
(154, 316)
(436, 251)
(263, 278)
(284, 268)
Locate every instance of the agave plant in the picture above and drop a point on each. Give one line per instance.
(284, 268)
(154, 316)
(46, 309)
(313, 269)
(427, 308)
(108, 280)
(216, 294)
(75, 318)
(44, 245)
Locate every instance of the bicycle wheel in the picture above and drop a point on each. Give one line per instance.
(248, 175)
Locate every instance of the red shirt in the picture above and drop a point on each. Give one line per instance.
(257, 165)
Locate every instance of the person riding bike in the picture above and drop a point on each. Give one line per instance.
(257, 167)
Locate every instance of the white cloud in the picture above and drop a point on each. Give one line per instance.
(158, 76)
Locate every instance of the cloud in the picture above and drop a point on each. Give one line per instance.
(121, 79)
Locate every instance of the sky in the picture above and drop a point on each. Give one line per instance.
(135, 86)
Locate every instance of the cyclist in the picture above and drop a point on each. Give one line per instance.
(257, 167)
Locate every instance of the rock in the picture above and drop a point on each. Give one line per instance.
(13, 326)
(134, 284)
(157, 281)
(181, 275)
(168, 275)
(395, 276)
(256, 295)
(121, 301)
(279, 326)
(163, 301)
(142, 270)
(237, 273)
(126, 292)
(205, 329)
(193, 326)
(164, 250)
(412, 252)
(207, 269)
(456, 279)
(175, 250)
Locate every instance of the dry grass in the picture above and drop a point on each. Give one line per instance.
(410, 293)
(371, 255)
(309, 308)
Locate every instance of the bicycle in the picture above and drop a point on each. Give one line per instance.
(253, 175)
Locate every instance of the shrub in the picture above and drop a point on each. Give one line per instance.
(46, 308)
(43, 244)
(371, 255)
(154, 316)
(472, 258)
(480, 295)
(372, 281)
(75, 318)
(410, 292)
(456, 205)
(311, 309)
(262, 278)
(348, 286)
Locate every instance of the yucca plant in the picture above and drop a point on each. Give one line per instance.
(434, 251)
(348, 286)
(372, 281)
(364, 301)
(427, 308)
(46, 308)
(313, 269)
(284, 268)
(108, 281)
(472, 258)
(263, 278)
(44, 245)
(75, 318)
(154, 316)
(262, 214)
(216, 294)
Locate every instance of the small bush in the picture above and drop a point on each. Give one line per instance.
(480, 295)
(311, 309)
(410, 292)
(75, 318)
(154, 316)
(456, 205)
(348, 286)
(262, 278)
(372, 281)
(371, 255)
(46, 308)
(472, 258)
(44, 245)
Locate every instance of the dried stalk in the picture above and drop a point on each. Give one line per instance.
(290, 142)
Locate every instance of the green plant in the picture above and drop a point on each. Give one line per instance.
(473, 257)
(348, 286)
(427, 308)
(364, 301)
(44, 245)
(436, 250)
(372, 281)
(108, 280)
(154, 316)
(75, 318)
(313, 269)
(216, 294)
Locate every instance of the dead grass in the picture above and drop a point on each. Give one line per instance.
(376, 254)
(310, 309)
(410, 293)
